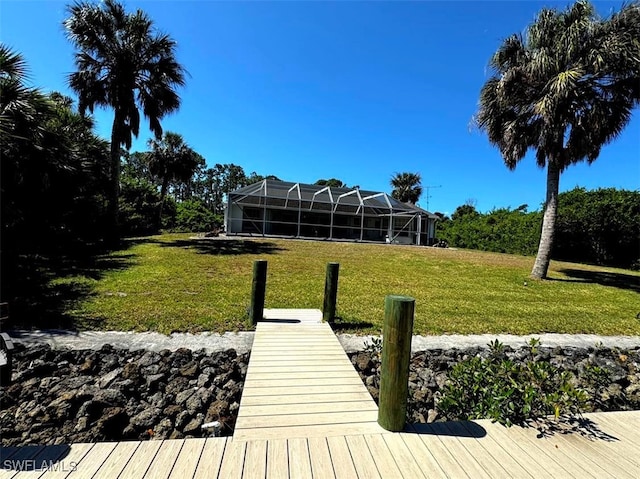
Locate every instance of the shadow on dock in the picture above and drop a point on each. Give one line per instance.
(453, 428)
(34, 458)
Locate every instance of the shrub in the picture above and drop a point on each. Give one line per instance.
(139, 200)
(194, 216)
(499, 389)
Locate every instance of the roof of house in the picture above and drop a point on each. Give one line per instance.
(325, 195)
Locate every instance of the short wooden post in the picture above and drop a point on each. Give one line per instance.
(258, 287)
(396, 352)
(330, 292)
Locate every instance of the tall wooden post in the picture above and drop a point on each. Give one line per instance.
(330, 292)
(396, 352)
(258, 287)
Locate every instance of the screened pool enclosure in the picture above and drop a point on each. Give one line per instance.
(280, 208)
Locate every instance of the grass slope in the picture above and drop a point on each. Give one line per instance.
(171, 283)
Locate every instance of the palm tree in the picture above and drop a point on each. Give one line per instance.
(122, 63)
(22, 109)
(565, 89)
(406, 187)
(171, 159)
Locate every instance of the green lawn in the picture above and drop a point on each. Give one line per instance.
(171, 283)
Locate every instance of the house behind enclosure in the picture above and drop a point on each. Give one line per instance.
(280, 208)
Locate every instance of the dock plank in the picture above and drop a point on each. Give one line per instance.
(320, 458)
(428, 464)
(255, 463)
(233, 460)
(277, 459)
(299, 460)
(341, 458)
(166, 457)
(362, 459)
(118, 460)
(384, 460)
(141, 460)
(187, 461)
(93, 460)
(210, 460)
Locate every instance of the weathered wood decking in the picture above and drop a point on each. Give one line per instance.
(303, 415)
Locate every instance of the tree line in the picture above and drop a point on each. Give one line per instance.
(599, 226)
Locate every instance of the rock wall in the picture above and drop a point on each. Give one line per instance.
(64, 396)
(428, 374)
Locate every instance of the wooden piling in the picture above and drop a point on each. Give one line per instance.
(396, 352)
(258, 287)
(330, 292)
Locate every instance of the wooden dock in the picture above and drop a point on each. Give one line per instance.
(477, 449)
(301, 383)
(306, 414)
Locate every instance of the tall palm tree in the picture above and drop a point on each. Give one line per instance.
(124, 64)
(565, 89)
(171, 159)
(406, 187)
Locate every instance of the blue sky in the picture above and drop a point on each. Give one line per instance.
(352, 90)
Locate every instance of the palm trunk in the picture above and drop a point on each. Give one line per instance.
(541, 266)
(163, 194)
(113, 232)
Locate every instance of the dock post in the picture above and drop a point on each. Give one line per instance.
(330, 292)
(258, 287)
(396, 352)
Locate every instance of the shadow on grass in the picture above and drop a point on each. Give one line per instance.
(340, 325)
(43, 288)
(615, 280)
(224, 246)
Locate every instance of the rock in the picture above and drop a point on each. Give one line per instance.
(204, 380)
(106, 379)
(182, 419)
(172, 411)
(149, 358)
(198, 401)
(154, 380)
(432, 416)
(131, 371)
(193, 426)
(163, 428)
(362, 361)
(182, 397)
(159, 400)
(190, 370)
(176, 385)
(82, 424)
(111, 397)
(217, 410)
(147, 418)
(88, 367)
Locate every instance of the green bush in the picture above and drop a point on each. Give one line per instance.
(138, 212)
(501, 230)
(499, 389)
(599, 226)
(194, 216)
